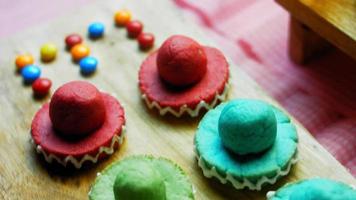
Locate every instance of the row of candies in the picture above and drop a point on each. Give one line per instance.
(80, 52)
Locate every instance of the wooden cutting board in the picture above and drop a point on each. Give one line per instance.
(24, 175)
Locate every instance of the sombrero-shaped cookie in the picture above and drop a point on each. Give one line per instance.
(184, 77)
(247, 143)
(314, 189)
(79, 124)
(142, 177)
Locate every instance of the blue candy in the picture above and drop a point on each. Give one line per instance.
(88, 65)
(30, 73)
(96, 30)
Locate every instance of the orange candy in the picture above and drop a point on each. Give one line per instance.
(23, 60)
(122, 17)
(79, 51)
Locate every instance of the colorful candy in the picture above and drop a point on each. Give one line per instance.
(88, 65)
(134, 28)
(23, 60)
(79, 51)
(48, 52)
(96, 30)
(146, 40)
(122, 17)
(30, 73)
(41, 86)
(72, 40)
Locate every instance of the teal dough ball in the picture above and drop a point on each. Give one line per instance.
(139, 181)
(247, 126)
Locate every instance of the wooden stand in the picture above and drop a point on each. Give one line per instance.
(316, 23)
(304, 44)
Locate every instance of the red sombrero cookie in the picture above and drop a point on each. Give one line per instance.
(184, 77)
(79, 124)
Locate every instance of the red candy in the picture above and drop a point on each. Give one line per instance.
(181, 61)
(77, 108)
(134, 28)
(72, 40)
(146, 40)
(41, 86)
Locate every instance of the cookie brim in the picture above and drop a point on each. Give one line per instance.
(193, 112)
(244, 182)
(256, 169)
(168, 99)
(90, 148)
(78, 162)
(314, 188)
(177, 183)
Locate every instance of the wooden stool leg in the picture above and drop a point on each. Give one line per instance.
(304, 44)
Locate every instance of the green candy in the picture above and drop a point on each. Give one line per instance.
(247, 126)
(139, 181)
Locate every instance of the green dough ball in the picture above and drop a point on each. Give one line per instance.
(247, 126)
(315, 189)
(139, 181)
(142, 177)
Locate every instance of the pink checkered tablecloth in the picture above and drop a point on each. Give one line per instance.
(254, 33)
(321, 95)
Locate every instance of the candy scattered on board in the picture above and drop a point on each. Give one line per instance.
(41, 86)
(72, 40)
(134, 28)
(30, 73)
(96, 30)
(122, 17)
(145, 40)
(88, 65)
(79, 51)
(23, 60)
(48, 52)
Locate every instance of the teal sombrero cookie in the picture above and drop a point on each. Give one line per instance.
(314, 189)
(142, 177)
(247, 143)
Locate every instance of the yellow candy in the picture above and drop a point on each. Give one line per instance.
(48, 52)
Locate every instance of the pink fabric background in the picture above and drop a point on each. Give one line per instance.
(321, 95)
(18, 15)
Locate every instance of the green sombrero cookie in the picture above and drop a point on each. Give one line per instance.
(142, 177)
(314, 189)
(247, 143)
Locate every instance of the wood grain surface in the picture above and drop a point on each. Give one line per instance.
(333, 20)
(24, 174)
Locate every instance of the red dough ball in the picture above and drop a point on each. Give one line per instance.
(134, 28)
(145, 40)
(41, 86)
(77, 108)
(72, 40)
(181, 61)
